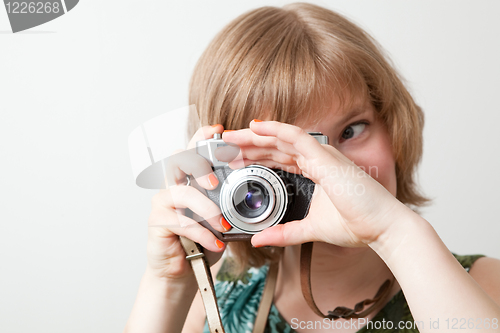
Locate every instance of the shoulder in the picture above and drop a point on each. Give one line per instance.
(486, 272)
(467, 261)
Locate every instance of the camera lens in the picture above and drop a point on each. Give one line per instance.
(251, 199)
(254, 199)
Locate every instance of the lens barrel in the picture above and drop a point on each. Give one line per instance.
(253, 198)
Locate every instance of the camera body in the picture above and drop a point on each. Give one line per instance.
(255, 197)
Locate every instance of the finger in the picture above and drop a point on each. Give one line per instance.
(290, 233)
(200, 235)
(304, 143)
(257, 153)
(227, 153)
(203, 133)
(192, 230)
(333, 151)
(165, 218)
(188, 162)
(180, 197)
(239, 164)
(173, 174)
(246, 137)
(230, 154)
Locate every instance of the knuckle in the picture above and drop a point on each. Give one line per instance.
(298, 132)
(182, 193)
(152, 219)
(157, 218)
(157, 199)
(278, 157)
(274, 142)
(281, 233)
(204, 233)
(202, 130)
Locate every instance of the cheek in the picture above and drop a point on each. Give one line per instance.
(385, 171)
(377, 160)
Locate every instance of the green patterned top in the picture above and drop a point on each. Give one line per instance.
(239, 298)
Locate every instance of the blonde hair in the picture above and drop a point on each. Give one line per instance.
(287, 64)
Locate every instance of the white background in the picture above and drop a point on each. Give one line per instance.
(73, 223)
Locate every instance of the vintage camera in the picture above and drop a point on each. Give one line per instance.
(256, 197)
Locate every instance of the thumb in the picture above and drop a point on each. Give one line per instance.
(290, 233)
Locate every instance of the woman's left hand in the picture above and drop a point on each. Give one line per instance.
(349, 208)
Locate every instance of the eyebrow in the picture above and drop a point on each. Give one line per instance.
(356, 111)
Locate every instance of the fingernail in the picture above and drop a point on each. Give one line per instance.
(219, 244)
(228, 131)
(257, 120)
(213, 180)
(225, 224)
(213, 126)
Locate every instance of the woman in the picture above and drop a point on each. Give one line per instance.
(302, 68)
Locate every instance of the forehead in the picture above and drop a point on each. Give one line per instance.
(336, 110)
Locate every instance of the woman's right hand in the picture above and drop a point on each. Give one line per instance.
(166, 256)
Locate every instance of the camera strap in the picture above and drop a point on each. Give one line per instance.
(340, 311)
(267, 295)
(196, 257)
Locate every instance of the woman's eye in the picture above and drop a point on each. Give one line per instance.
(352, 131)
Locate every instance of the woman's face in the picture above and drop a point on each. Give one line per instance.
(363, 138)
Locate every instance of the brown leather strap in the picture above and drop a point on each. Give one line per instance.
(204, 278)
(226, 237)
(236, 237)
(267, 296)
(340, 311)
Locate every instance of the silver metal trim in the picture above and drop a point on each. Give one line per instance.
(195, 256)
(277, 189)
